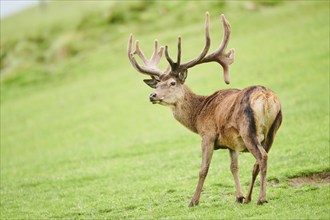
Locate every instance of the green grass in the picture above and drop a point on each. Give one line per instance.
(79, 138)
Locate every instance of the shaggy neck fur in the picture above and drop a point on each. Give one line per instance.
(186, 108)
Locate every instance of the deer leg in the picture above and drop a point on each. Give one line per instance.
(234, 171)
(255, 173)
(207, 151)
(261, 156)
(264, 150)
(263, 174)
(267, 145)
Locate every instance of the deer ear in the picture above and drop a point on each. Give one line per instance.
(151, 82)
(182, 75)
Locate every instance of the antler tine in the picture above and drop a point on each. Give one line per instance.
(179, 52)
(150, 67)
(174, 66)
(130, 54)
(226, 33)
(207, 45)
(157, 55)
(139, 52)
(219, 55)
(129, 47)
(168, 58)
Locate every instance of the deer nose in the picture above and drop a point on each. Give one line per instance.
(152, 96)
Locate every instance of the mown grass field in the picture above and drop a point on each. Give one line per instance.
(79, 138)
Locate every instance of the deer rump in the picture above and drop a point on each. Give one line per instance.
(253, 113)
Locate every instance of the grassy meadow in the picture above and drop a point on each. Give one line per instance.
(80, 140)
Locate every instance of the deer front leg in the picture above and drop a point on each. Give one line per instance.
(234, 171)
(207, 151)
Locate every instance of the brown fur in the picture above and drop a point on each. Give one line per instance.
(223, 114)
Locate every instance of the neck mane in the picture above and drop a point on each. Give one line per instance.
(185, 110)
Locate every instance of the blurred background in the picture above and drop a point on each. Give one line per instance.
(79, 138)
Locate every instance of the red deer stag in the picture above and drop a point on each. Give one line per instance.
(237, 120)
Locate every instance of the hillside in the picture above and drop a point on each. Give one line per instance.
(79, 138)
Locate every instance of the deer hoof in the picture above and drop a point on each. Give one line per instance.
(193, 203)
(240, 199)
(261, 202)
(247, 200)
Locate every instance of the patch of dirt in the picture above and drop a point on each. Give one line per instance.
(273, 183)
(318, 179)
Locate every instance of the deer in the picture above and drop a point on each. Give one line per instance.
(240, 120)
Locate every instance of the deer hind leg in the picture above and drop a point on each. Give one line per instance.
(234, 171)
(256, 149)
(263, 174)
(267, 144)
(255, 173)
(256, 168)
(207, 151)
(261, 156)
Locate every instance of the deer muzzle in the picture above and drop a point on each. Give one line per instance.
(154, 98)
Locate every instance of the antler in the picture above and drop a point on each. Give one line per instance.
(206, 48)
(150, 66)
(218, 55)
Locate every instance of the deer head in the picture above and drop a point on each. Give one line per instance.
(168, 84)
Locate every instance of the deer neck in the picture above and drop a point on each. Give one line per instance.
(185, 110)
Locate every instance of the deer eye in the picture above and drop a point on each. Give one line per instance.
(173, 83)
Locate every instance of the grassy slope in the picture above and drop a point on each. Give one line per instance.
(87, 144)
